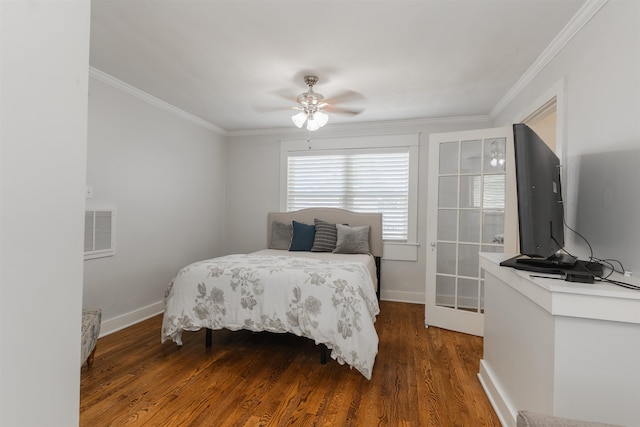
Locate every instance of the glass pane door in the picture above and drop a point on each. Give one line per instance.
(471, 208)
(466, 217)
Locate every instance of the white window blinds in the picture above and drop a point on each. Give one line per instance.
(376, 181)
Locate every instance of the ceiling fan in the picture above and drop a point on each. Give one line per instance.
(312, 106)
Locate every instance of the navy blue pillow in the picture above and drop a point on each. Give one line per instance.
(303, 236)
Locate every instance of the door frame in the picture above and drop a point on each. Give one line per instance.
(558, 91)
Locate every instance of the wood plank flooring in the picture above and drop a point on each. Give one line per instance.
(422, 377)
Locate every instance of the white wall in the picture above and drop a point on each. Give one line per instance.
(603, 134)
(602, 68)
(253, 176)
(601, 64)
(45, 57)
(165, 176)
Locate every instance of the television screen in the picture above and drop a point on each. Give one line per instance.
(539, 195)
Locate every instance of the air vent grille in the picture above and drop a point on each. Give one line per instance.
(99, 233)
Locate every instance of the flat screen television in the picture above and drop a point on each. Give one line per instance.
(539, 196)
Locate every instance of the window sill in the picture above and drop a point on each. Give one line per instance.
(400, 251)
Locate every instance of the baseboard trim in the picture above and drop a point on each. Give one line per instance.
(493, 390)
(115, 324)
(402, 296)
(125, 320)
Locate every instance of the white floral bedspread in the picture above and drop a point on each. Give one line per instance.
(331, 302)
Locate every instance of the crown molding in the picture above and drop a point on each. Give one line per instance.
(378, 126)
(579, 20)
(573, 27)
(144, 96)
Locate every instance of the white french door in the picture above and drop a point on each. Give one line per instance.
(470, 209)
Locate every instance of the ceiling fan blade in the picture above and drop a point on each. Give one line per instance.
(265, 109)
(343, 110)
(286, 94)
(297, 99)
(346, 96)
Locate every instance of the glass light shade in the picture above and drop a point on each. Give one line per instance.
(321, 118)
(298, 119)
(312, 123)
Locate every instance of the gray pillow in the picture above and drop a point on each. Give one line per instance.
(352, 240)
(280, 235)
(326, 236)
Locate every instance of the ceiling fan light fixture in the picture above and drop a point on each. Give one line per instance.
(309, 107)
(321, 118)
(312, 123)
(299, 119)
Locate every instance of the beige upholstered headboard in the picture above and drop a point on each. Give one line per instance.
(336, 216)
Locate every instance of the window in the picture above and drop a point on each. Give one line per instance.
(373, 174)
(361, 182)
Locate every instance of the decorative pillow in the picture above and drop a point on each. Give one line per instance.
(326, 236)
(303, 235)
(352, 240)
(280, 235)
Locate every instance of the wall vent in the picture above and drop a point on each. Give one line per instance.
(99, 235)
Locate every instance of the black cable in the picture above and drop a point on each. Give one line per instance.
(580, 235)
(597, 279)
(619, 283)
(605, 263)
(610, 262)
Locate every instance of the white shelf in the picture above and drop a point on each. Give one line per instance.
(603, 301)
(562, 348)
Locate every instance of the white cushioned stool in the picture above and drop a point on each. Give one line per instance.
(91, 319)
(532, 419)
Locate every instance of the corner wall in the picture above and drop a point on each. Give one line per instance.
(43, 127)
(165, 177)
(602, 69)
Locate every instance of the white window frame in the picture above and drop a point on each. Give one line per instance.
(393, 249)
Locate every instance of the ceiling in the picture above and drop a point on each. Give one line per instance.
(236, 64)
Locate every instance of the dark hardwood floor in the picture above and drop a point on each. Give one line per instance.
(422, 377)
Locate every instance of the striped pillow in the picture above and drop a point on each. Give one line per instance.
(326, 236)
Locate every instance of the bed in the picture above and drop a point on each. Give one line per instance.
(318, 278)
